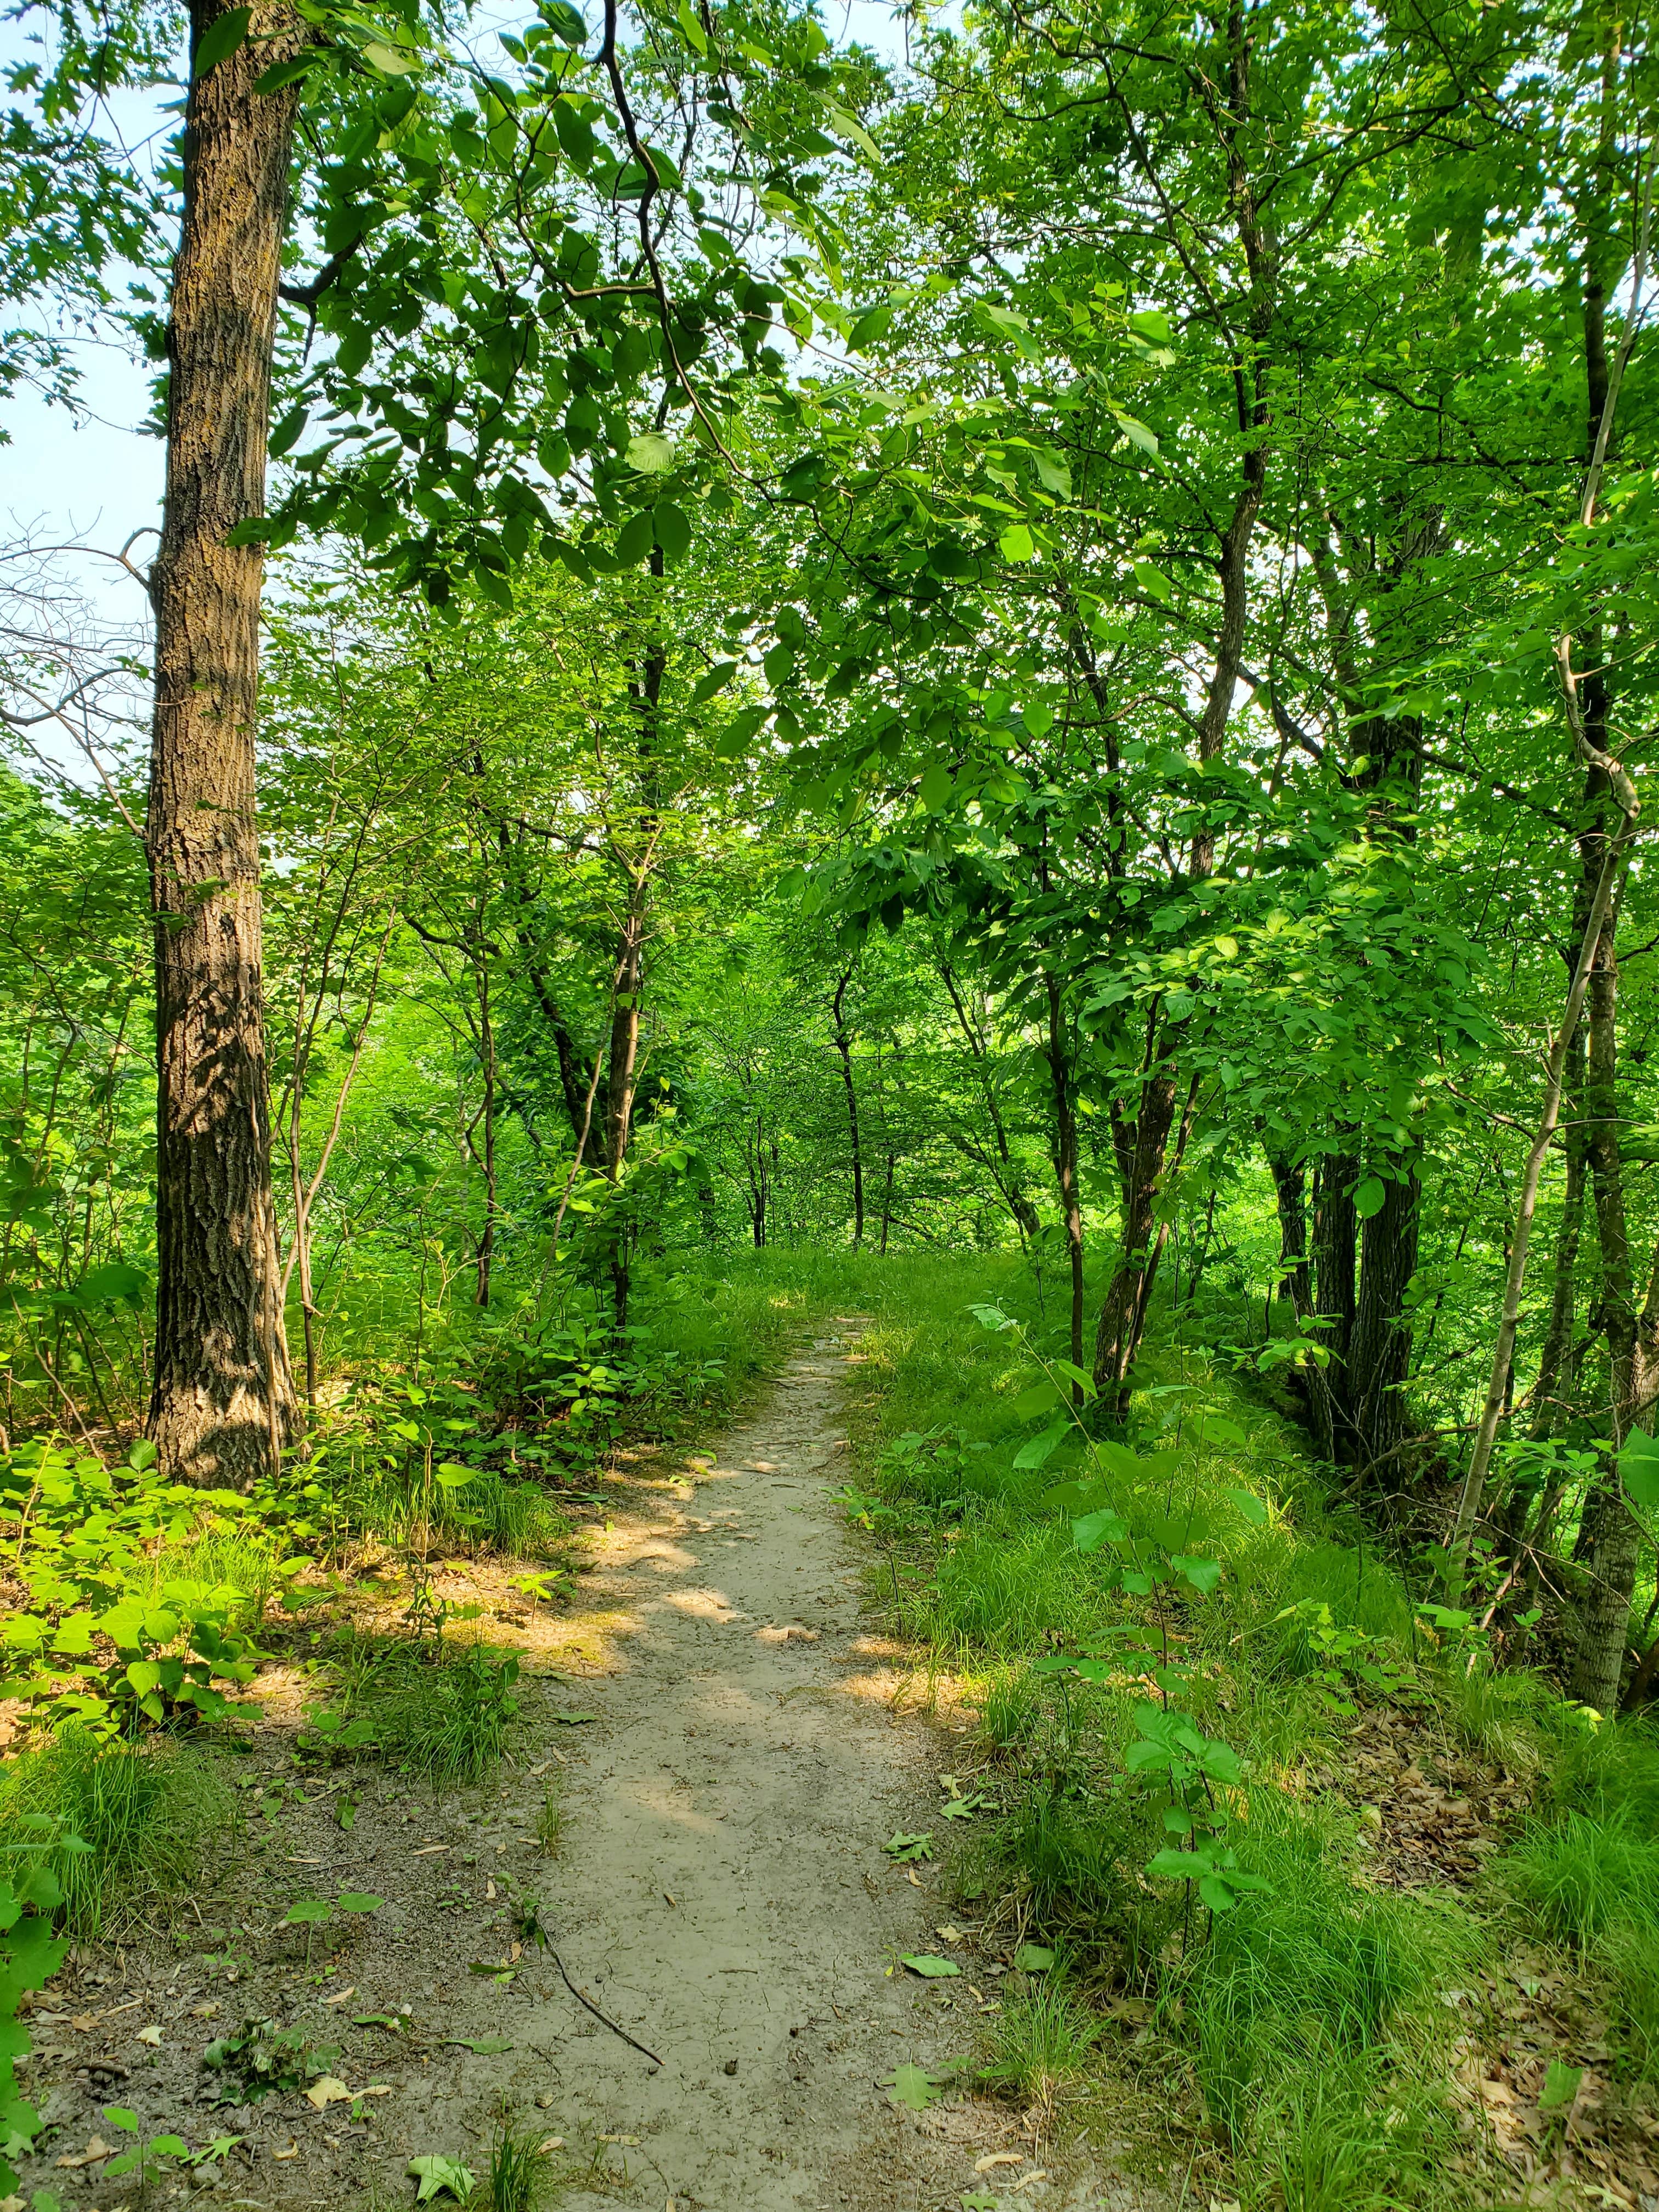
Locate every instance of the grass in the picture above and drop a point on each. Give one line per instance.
(1581, 1877)
(151, 1814)
(430, 1709)
(518, 2172)
(1042, 2042)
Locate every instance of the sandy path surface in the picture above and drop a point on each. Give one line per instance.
(750, 1771)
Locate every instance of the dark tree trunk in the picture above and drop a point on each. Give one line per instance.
(1335, 1239)
(844, 1046)
(1380, 1347)
(487, 1043)
(223, 1403)
(1144, 1144)
(1289, 1176)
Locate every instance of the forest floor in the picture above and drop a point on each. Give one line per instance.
(725, 1721)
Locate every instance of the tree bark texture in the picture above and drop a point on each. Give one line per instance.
(223, 1399)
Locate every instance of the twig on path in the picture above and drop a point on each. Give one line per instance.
(599, 2016)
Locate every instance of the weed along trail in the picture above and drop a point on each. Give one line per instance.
(722, 1894)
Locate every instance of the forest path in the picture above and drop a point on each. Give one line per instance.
(722, 1891)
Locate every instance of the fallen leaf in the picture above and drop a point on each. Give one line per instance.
(292, 2151)
(427, 1850)
(550, 2143)
(204, 2012)
(913, 2087)
(998, 2157)
(950, 1935)
(669, 1899)
(1029, 2180)
(329, 2090)
(97, 2148)
(340, 1996)
(151, 2034)
(434, 2173)
(84, 2022)
(913, 1877)
(1034, 1958)
(902, 1847)
(929, 1968)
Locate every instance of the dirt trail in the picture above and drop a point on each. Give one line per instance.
(750, 1769)
(720, 1716)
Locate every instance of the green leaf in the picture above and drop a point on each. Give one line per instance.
(913, 2087)
(849, 128)
(391, 61)
(1202, 1574)
(695, 37)
(634, 539)
(1093, 1529)
(1017, 543)
(1156, 585)
(1034, 1958)
(435, 2174)
(1036, 1399)
(673, 532)
(357, 1900)
(651, 452)
(1040, 1447)
(222, 38)
(716, 680)
(307, 1911)
(122, 2117)
(935, 788)
(1638, 1470)
(1368, 1197)
(930, 1968)
(1561, 2086)
(903, 1847)
(1251, 1507)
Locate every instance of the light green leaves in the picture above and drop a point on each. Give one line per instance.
(1638, 1470)
(1369, 1196)
(716, 680)
(930, 1967)
(651, 452)
(1156, 585)
(904, 1848)
(914, 2086)
(440, 2177)
(1034, 1958)
(1017, 542)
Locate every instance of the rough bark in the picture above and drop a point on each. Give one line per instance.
(1123, 1316)
(1335, 1240)
(1552, 1392)
(1380, 1348)
(222, 1402)
(1289, 1176)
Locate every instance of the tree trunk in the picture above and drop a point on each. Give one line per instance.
(1380, 1347)
(1071, 1201)
(1123, 1314)
(223, 1403)
(843, 1046)
(1289, 1176)
(487, 1042)
(1336, 1236)
(1551, 1401)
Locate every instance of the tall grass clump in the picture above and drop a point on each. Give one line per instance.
(1306, 1975)
(1581, 1876)
(149, 1815)
(1041, 2042)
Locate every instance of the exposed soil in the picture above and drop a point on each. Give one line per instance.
(720, 1710)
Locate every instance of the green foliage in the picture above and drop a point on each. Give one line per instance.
(1041, 2042)
(1581, 1876)
(261, 2060)
(519, 2173)
(430, 1710)
(128, 1825)
(30, 1955)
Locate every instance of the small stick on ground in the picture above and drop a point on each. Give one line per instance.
(599, 2016)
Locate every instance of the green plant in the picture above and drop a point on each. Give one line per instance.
(133, 1821)
(517, 2175)
(145, 2160)
(312, 1912)
(264, 2060)
(447, 1720)
(30, 1954)
(104, 1644)
(549, 1821)
(1581, 1876)
(1040, 2041)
